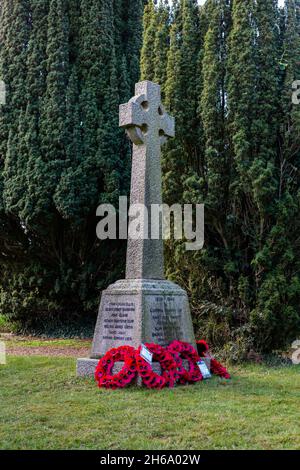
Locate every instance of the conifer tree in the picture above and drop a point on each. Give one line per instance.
(149, 34)
(62, 153)
(36, 79)
(49, 165)
(241, 80)
(213, 111)
(14, 57)
(182, 156)
(161, 44)
(181, 89)
(230, 154)
(132, 32)
(226, 70)
(265, 126)
(291, 65)
(277, 314)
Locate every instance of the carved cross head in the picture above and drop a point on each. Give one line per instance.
(145, 118)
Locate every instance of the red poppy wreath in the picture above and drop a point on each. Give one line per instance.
(185, 351)
(169, 374)
(215, 367)
(127, 374)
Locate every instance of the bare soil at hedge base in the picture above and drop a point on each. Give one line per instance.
(49, 352)
(31, 346)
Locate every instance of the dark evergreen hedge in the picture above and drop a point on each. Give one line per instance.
(226, 71)
(67, 65)
(229, 71)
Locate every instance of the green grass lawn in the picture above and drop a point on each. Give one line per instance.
(44, 406)
(16, 341)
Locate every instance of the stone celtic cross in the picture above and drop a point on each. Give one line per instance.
(144, 307)
(148, 126)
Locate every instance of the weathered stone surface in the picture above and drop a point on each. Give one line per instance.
(144, 307)
(86, 368)
(148, 126)
(138, 311)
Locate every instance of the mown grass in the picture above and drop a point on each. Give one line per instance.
(44, 406)
(16, 341)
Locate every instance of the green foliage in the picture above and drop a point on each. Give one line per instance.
(147, 52)
(67, 66)
(237, 150)
(6, 326)
(226, 71)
